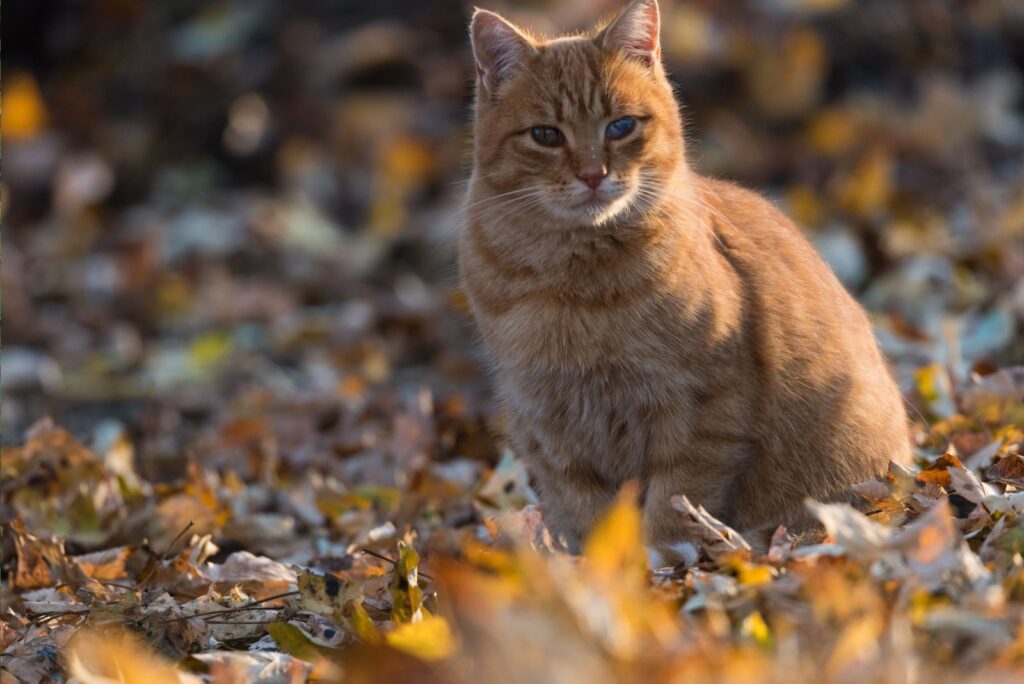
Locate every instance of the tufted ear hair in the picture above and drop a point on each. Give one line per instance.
(635, 32)
(498, 48)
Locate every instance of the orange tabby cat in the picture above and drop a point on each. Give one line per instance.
(644, 322)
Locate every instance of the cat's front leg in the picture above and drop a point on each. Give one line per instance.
(706, 475)
(572, 499)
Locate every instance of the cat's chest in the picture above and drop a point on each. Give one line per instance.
(605, 373)
(581, 338)
(610, 416)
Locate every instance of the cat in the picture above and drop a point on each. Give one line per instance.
(645, 323)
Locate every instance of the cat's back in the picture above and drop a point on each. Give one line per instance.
(793, 294)
(824, 379)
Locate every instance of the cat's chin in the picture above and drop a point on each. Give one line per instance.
(593, 212)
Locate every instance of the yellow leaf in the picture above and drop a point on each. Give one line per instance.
(785, 77)
(804, 205)
(935, 387)
(358, 621)
(691, 34)
(295, 642)
(351, 387)
(404, 165)
(869, 187)
(210, 349)
(858, 643)
(24, 112)
(406, 160)
(833, 132)
(616, 541)
(754, 627)
(428, 639)
(173, 294)
(406, 595)
(823, 5)
(114, 656)
(750, 574)
(325, 594)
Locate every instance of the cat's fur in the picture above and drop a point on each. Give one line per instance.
(664, 328)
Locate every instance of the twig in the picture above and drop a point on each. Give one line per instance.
(144, 576)
(44, 617)
(248, 622)
(385, 558)
(249, 606)
(377, 555)
(58, 613)
(35, 622)
(175, 540)
(108, 583)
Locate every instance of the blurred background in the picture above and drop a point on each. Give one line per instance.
(220, 210)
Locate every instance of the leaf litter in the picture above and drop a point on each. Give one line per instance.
(273, 455)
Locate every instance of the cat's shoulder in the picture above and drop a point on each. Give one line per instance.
(758, 236)
(750, 222)
(746, 209)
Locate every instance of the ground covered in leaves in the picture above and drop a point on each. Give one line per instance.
(247, 434)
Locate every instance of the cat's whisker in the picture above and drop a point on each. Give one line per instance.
(474, 177)
(492, 198)
(511, 204)
(665, 193)
(464, 211)
(521, 205)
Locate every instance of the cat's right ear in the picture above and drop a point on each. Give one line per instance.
(635, 32)
(498, 48)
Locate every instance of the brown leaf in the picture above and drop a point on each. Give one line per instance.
(41, 563)
(936, 473)
(104, 565)
(1008, 470)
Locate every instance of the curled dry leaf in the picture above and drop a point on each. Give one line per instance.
(40, 563)
(851, 529)
(965, 483)
(1008, 470)
(938, 472)
(104, 565)
(715, 537)
(259, 575)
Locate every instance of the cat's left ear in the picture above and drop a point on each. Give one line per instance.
(635, 32)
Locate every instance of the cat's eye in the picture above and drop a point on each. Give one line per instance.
(547, 136)
(620, 128)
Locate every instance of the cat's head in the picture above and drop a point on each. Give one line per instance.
(583, 128)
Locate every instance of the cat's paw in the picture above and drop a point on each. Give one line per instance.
(671, 555)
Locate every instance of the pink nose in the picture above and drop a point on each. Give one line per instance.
(592, 177)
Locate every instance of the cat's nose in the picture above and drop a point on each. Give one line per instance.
(592, 175)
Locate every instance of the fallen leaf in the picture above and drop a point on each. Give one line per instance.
(715, 537)
(428, 639)
(1007, 470)
(102, 657)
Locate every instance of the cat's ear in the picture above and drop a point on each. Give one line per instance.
(635, 32)
(498, 48)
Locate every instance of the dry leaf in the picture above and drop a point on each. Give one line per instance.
(102, 657)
